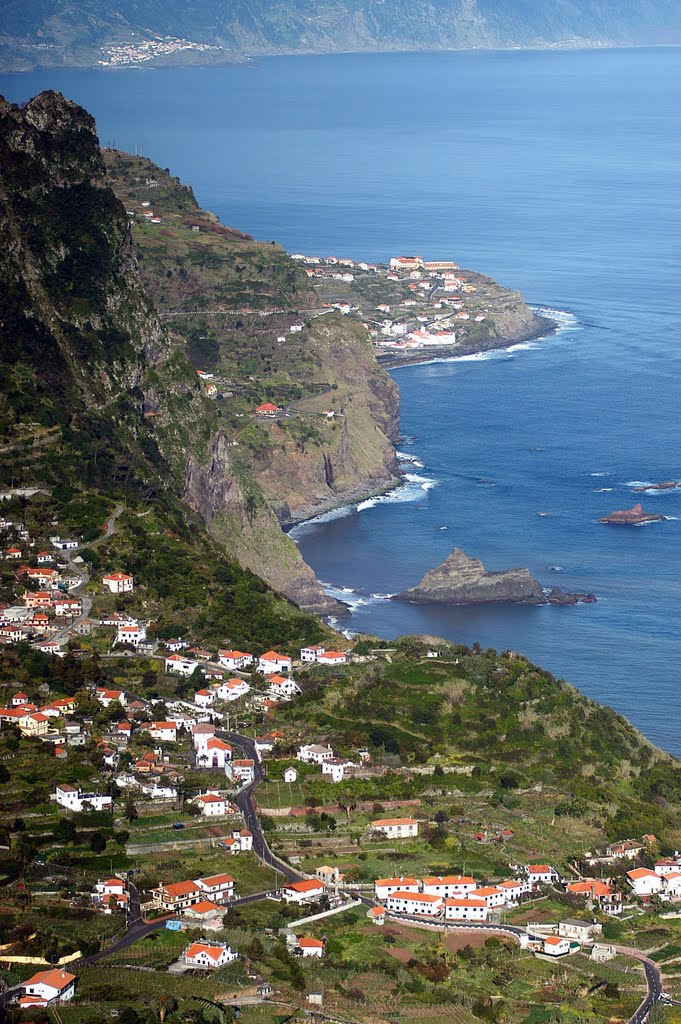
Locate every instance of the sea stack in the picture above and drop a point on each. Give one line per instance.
(464, 580)
(632, 517)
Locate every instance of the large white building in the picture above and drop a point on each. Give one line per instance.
(314, 753)
(73, 799)
(420, 903)
(204, 954)
(384, 887)
(396, 828)
(449, 885)
(235, 660)
(178, 665)
(458, 908)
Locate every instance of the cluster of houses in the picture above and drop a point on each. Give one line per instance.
(663, 880)
(458, 897)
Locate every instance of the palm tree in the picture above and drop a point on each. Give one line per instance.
(163, 1005)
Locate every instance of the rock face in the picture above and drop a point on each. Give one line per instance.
(464, 580)
(631, 517)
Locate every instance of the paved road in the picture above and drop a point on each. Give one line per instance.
(653, 982)
(245, 801)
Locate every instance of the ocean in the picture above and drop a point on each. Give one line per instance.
(557, 173)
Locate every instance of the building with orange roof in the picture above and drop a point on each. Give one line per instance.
(419, 903)
(556, 945)
(271, 661)
(211, 805)
(307, 946)
(216, 887)
(396, 828)
(449, 885)
(492, 896)
(119, 582)
(209, 955)
(48, 987)
(267, 409)
(644, 882)
(300, 892)
(235, 660)
(384, 887)
(174, 896)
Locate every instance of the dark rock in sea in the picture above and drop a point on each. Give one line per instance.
(632, 517)
(559, 597)
(666, 485)
(464, 580)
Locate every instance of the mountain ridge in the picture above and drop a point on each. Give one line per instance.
(58, 33)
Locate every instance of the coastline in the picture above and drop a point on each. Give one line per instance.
(544, 327)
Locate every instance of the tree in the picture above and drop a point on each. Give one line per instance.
(97, 842)
(130, 810)
(65, 831)
(163, 1005)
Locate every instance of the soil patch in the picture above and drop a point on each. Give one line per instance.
(459, 938)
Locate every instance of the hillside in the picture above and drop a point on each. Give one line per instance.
(56, 33)
(95, 397)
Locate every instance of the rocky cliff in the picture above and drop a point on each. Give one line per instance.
(94, 391)
(464, 580)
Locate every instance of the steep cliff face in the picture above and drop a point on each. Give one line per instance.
(93, 392)
(464, 580)
(337, 446)
(236, 512)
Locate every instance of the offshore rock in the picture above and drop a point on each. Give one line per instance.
(464, 580)
(632, 517)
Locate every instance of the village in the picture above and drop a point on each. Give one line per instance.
(199, 758)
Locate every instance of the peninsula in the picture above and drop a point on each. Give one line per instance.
(461, 579)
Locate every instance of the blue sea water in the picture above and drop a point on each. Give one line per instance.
(558, 174)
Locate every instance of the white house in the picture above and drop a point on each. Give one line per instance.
(541, 874)
(217, 887)
(336, 768)
(310, 654)
(203, 954)
(300, 892)
(176, 896)
(235, 660)
(119, 582)
(644, 882)
(211, 805)
(69, 607)
(131, 634)
(244, 838)
(201, 733)
(73, 799)
(662, 867)
(332, 658)
(556, 945)
(214, 754)
(459, 908)
(290, 774)
(396, 828)
(514, 889)
(280, 686)
(273, 662)
(232, 689)
(107, 697)
(164, 731)
(204, 698)
(178, 665)
(449, 885)
(420, 903)
(314, 753)
(48, 987)
(582, 931)
(307, 946)
(384, 887)
(672, 885)
(241, 770)
(491, 896)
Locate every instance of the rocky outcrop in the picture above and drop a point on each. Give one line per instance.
(631, 517)
(666, 485)
(464, 580)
